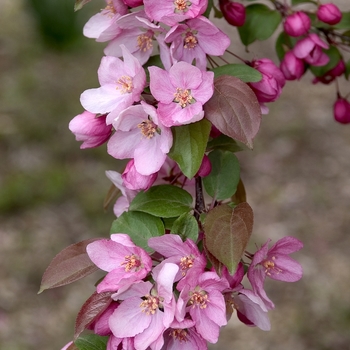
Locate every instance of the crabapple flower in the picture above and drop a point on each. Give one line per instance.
(276, 264)
(181, 92)
(125, 262)
(329, 76)
(310, 50)
(329, 13)
(146, 310)
(91, 129)
(195, 39)
(234, 12)
(133, 180)
(172, 12)
(205, 303)
(292, 67)
(121, 85)
(297, 24)
(341, 111)
(140, 135)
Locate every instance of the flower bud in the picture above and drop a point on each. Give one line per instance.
(205, 167)
(233, 12)
(133, 180)
(90, 129)
(270, 86)
(297, 24)
(329, 13)
(341, 110)
(292, 67)
(329, 76)
(133, 3)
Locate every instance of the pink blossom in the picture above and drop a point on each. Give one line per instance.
(100, 325)
(310, 50)
(329, 76)
(125, 263)
(329, 13)
(276, 264)
(269, 88)
(181, 92)
(195, 39)
(91, 129)
(121, 85)
(146, 310)
(234, 12)
(292, 67)
(172, 12)
(133, 180)
(297, 24)
(341, 110)
(140, 135)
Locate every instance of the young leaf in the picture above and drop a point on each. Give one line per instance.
(92, 308)
(91, 342)
(79, 4)
(240, 71)
(139, 226)
(227, 232)
(189, 146)
(163, 201)
(222, 182)
(186, 226)
(234, 109)
(260, 23)
(68, 266)
(240, 195)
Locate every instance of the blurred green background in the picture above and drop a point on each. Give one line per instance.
(51, 192)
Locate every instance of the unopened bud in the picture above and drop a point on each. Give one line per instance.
(297, 24)
(205, 167)
(233, 12)
(292, 67)
(341, 110)
(329, 13)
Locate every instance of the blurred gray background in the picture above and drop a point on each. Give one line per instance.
(51, 192)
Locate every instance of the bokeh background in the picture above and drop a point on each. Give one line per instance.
(51, 192)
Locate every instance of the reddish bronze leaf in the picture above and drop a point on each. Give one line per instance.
(240, 196)
(68, 266)
(92, 308)
(72, 347)
(227, 232)
(234, 109)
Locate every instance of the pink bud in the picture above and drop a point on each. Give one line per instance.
(133, 180)
(90, 129)
(329, 76)
(233, 12)
(292, 67)
(297, 24)
(205, 167)
(329, 13)
(341, 110)
(133, 3)
(269, 88)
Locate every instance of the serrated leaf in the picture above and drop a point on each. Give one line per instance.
(186, 226)
(68, 266)
(189, 143)
(91, 342)
(227, 232)
(240, 71)
(139, 226)
(225, 143)
(79, 4)
(261, 22)
(92, 308)
(223, 179)
(234, 109)
(165, 201)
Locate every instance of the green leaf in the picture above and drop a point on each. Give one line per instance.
(79, 4)
(225, 143)
(70, 265)
(345, 21)
(139, 226)
(260, 23)
(91, 342)
(222, 182)
(284, 43)
(208, 10)
(186, 226)
(189, 143)
(297, 2)
(334, 55)
(241, 71)
(163, 201)
(227, 232)
(347, 71)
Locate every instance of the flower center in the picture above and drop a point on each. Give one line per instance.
(131, 262)
(110, 9)
(199, 298)
(270, 267)
(144, 42)
(181, 6)
(190, 41)
(179, 334)
(186, 263)
(183, 97)
(125, 83)
(148, 128)
(150, 304)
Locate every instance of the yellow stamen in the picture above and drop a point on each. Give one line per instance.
(125, 83)
(183, 97)
(144, 42)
